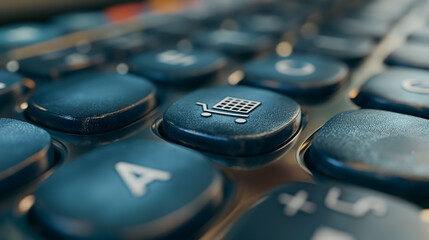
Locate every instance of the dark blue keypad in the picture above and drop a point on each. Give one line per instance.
(297, 75)
(328, 211)
(234, 121)
(130, 190)
(25, 153)
(11, 86)
(78, 21)
(411, 54)
(399, 90)
(378, 149)
(92, 102)
(177, 67)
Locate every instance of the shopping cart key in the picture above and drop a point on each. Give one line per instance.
(177, 67)
(328, 211)
(130, 190)
(298, 76)
(377, 149)
(91, 102)
(25, 153)
(21, 34)
(11, 86)
(78, 21)
(398, 90)
(411, 54)
(233, 121)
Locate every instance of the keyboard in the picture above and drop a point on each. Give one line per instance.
(243, 119)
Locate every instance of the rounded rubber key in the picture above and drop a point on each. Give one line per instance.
(17, 35)
(92, 102)
(347, 48)
(237, 43)
(421, 35)
(378, 149)
(130, 190)
(78, 21)
(25, 153)
(126, 45)
(234, 121)
(11, 86)
(398, 90)
(329, 211)
(411, 54)
(298, 75)
(357, 27)
(177, 67)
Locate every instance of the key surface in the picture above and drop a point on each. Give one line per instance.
(172, 66)
(398, 90)
(411, 54)
(92, 102)
(10, 86)
(329, 211)
(302, 76)
(130, 190)
(246, 121)
(378, 149)
(25, 153)
(78, 21)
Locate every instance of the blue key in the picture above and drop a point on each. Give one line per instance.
(411, 54)
(377, 149)
(55, 65)
(302, 76)
(422, 35)
(130, 190)
(236, 43)
(17, 35)
(328, 211)
(25, 152)
(126, 45)
(357, 27)
(269, 24)
(11, 86)
(92, 102)
(347, 48)
(399, 90)
(177, 67)
(78, 21)
(234, 121)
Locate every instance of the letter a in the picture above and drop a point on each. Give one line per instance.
(138, 177)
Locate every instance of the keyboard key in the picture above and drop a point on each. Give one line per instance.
(328, 211)
(123, 46)
(177, 67)
(422, 35)
(18, 35)
(55, 65)
(11, 86)
(411, 54)
(398, 90)
(140, 190)
(273, 25)
(236, 43)
(234, 121)
(92, 102)
(350, 49)
(25, 151)
(357, 27)
(377, 149)
(302, 76)
(78, 21)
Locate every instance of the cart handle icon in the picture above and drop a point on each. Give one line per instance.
(208, 112)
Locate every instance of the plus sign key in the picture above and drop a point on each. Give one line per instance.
(171, 66)
(232, 121)
(328, 211)
(139, 190)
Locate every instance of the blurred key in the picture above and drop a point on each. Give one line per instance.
(54, 65)
(21, 34)
(357, 27)
(235, 43)
(301, 76)
(378, 149)
(78, 21)
(11, 86)
(126, 45)
(351, 49)
(421, 35)
(328, 211)
(398, 90)
(411, 54)
(92, 102)
(273, 25)
(139, 190)
(25, 153)
(177, 67)
(234, 121)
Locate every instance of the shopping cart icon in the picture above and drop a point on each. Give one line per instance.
(230, 106)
